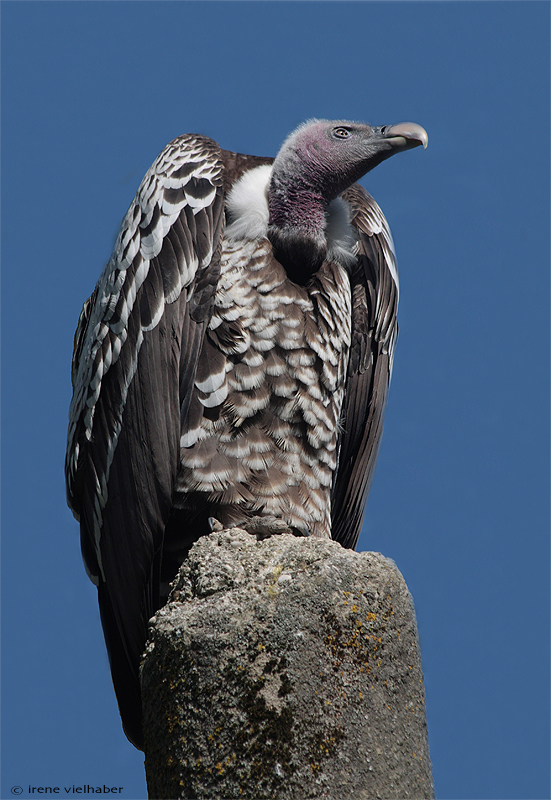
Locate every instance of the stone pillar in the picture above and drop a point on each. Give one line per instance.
(285, 668)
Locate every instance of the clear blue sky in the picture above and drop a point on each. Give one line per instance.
(91, 92)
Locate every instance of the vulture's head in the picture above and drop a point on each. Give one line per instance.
(328, 157)
(317, 162)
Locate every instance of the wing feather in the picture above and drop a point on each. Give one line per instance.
(374, 284)
(136, 351)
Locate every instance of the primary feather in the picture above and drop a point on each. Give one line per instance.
(233, 362)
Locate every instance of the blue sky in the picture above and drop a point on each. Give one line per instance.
(91, 92)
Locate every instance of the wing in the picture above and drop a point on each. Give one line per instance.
(137, 348)
(374, 331)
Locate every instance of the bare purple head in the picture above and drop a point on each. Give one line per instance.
(322, 158)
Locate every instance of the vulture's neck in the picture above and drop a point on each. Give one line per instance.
(298, 219)
(303, 227)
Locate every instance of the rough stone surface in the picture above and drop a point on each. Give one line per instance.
(285, 668)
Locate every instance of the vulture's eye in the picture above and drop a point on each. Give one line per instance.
(341, 133)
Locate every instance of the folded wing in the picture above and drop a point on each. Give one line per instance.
(374, 282)
(136, 352)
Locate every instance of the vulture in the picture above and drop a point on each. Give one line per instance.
(232, 365)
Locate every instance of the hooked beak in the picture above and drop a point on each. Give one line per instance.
(405, 135)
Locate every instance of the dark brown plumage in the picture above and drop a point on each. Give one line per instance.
(232, 363)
